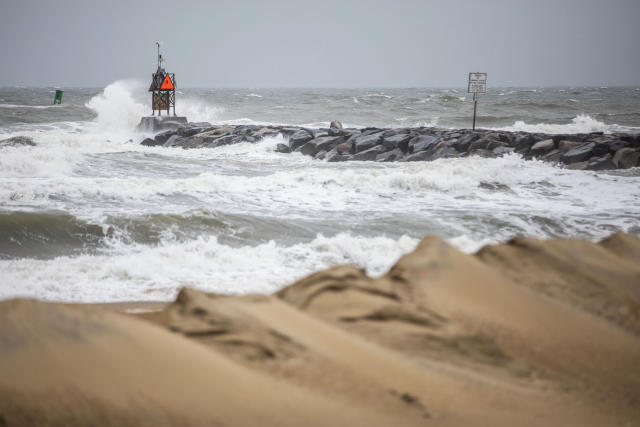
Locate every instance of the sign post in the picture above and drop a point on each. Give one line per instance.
(477, 84)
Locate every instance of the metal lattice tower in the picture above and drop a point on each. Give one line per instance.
(163, 89)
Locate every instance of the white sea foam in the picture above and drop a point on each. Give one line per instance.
(157, 273)
(116, 109)
(198, 110)
(91, 171)
(580, 124)
(37, 107)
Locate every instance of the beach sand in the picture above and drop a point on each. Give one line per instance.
(529, 332)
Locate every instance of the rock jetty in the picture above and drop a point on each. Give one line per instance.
(586, 151)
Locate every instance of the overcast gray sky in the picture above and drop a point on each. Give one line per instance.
(330, 43)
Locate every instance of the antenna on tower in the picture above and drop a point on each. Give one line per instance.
(160, 59)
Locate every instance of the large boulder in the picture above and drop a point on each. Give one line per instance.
(552, 156)
(390, 156)
(345, 147)
(370, 154)
(335, 124)
(445, 152)
(422, 143)
(462, 144)
(579, 154)
(335, 156)
(161, 138)
(399, 140)
(523, 143)
(317, 145)
(566, 145)
(600, 163)
(288, 131)
(541, 148)
(283, 148)
(616, 144)
(419, 156)
(173, 141)
(189, 130)
(365, 142)
(626, 158)
(485, 143)
(212, 142)
(299, 138)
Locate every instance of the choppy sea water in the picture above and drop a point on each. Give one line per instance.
(90, 215)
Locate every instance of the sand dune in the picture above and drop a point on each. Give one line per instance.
(528, 332)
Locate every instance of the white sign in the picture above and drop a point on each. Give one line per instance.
(477, 82)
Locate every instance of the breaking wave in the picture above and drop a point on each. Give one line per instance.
(579, 124)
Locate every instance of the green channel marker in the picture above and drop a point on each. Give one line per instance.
(57, 99)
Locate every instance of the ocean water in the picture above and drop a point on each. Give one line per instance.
(88, 214)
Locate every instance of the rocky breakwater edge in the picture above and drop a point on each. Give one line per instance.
(585, 151)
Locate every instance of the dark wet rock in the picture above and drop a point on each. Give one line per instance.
(299, 138)
(288, 131)
(283, 148)
(594, 151)
(149, 142)
(321, 155)
(345, 147)
(578, 166)
(580, 153)
(601, 149)
(158, 123)
(335, 132)
(390, 156)
(552, 156)
(335, 156)
(369, 154)
(566, 145)
(463, 143)
(422, 143)
(419, 156)
(444, 152)
(223, 140)
(161, 138)
(485, 143)
(616, 144)
(568, 137)
(398, 140)
(325, 143)
(395, 131)
(365, 142)
(600, 163)
(626, 158)
(189, 130)
(541, 147)
(16, 141)
(173, 141)
(523, 143)
(499, 136)
(370, 130)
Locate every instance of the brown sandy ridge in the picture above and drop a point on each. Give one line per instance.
(528, 332)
